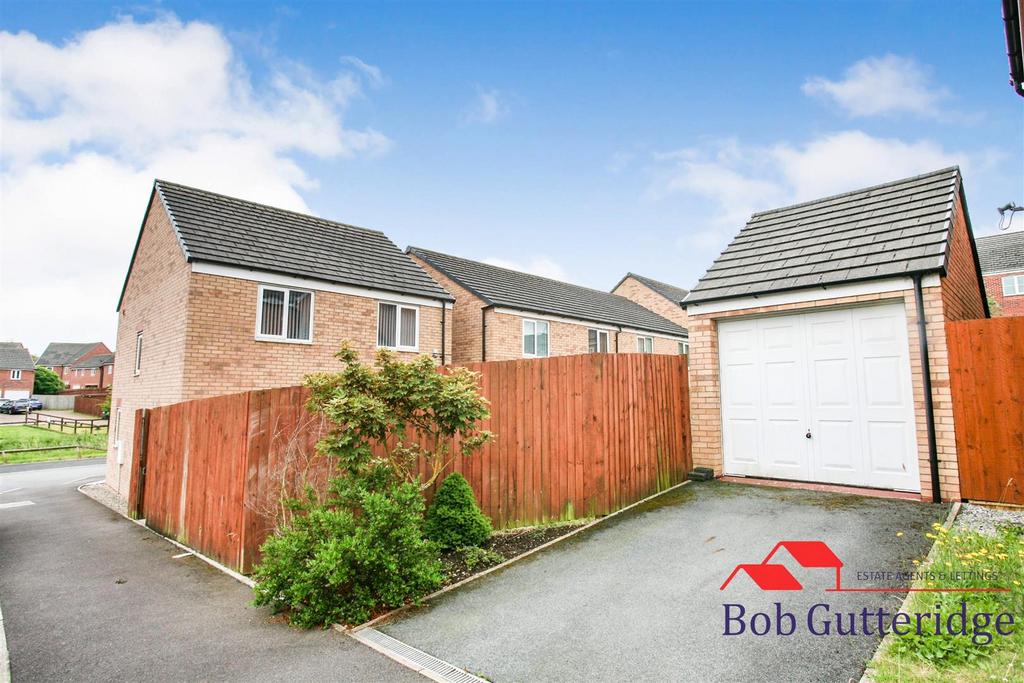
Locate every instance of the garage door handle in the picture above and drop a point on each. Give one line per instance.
(808, 435)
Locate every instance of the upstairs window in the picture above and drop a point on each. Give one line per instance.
(398, 327)
(284, 314)
(535, 339)
(684, 348)
(138, 353)
(15, 374)
(645, 344)
(597, 341)
(1013, 285)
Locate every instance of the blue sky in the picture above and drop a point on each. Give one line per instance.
(575, 140)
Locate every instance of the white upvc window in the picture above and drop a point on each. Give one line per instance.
(398, 327)
(597, 341)
(645, 344)
(684, 348)
(1013, 285)
(138, 353)
(284, 314)
(15, 374)
(535, 339)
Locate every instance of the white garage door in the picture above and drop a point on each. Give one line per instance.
(16, 393)
(823, 396)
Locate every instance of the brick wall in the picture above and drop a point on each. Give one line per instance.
(223, 355)
(155, 304)
(1008, 305)
(28, 378)
(961, 291)
(467, 328)
(636, 291)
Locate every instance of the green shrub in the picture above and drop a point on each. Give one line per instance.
(454, 519)
(475, 556)
(342, 559)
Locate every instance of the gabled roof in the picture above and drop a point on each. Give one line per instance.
(670, 292)
(532, 293)
(1000, 253)
(214, 228)
(896, 229)
(96, 361)
(64, 353)
(14, 356)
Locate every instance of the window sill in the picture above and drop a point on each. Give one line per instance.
(401, 349)
(281, 340)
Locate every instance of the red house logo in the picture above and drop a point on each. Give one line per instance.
(776, 577)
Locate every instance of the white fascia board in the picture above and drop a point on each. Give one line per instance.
(306, 283)
(586, 323)
(819, 293)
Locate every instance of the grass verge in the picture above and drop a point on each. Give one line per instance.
(963, 559)
(25, 436)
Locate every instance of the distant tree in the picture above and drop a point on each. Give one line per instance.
(47, 382)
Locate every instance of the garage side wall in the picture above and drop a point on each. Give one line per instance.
(961, 290)
(706, 392)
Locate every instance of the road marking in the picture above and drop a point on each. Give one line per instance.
(75, 481)
(10, 491)
(19, 504)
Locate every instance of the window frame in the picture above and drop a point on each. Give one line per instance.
(522, 339)
(398, 327)
(1017, 280)
(640, 338)
(15, 375)
(597, 333)
(138, 353)
(283, 337)
(684, 348)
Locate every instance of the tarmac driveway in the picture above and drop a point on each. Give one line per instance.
(638, 597)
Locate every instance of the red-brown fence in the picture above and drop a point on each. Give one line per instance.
(575, 436)
(90, 404)
(986, 368)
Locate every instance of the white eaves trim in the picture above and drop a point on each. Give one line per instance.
(587, 323)
(307, 283)
(819, 293)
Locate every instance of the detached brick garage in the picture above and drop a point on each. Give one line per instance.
(806, 355)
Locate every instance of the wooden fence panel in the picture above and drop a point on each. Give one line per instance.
(986, 367)
(575, 436)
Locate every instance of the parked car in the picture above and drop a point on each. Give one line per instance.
(36, 403)
(5, 405)
(21, 405)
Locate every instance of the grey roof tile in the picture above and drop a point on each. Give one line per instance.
(1002, 252)
(522, 291)
(14, 356)
(96, 361)
(64, 353)
(218, 229)
(892, 229)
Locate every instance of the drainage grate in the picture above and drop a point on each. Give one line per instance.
(428, 665)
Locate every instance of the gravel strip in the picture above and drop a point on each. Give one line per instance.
(105, 495)
(986, 520)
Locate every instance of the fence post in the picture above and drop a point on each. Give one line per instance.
(138, 490)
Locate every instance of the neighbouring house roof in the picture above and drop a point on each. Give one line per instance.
(214, 228)
(96, 361)
(14, 356)
(670, 292)
(521, 291)
(896, 229)
(1000, 253)
(64, 353)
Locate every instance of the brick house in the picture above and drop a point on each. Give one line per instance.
(502, 314)
(1002, 266)
(664, 299)
(61, 357)
(224, 295)
(17, 372)
(94, 372)
(807, 360)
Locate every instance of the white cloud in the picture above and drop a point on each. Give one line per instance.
(373, 74)
(732, 181)
(538, 265)
(487, 107)
(86, 130)
(882, 85)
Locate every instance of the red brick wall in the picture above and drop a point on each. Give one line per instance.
(961, 291)
(28, 378)
(636, 291)
(1008, 305)
(467, 335)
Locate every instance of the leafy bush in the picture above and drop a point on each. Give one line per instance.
(454, 519)
(359, 550)
(475, 557)
(47, 382)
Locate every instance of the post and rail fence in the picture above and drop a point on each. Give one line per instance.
(575, 436)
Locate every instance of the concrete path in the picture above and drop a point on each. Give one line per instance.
(638, 598)
(87, 595)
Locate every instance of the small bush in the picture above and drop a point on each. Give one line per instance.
(454, 519)
(475, 556)
(341, 560)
